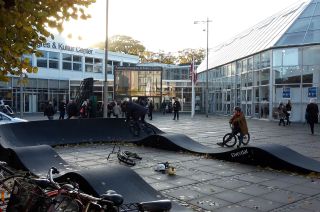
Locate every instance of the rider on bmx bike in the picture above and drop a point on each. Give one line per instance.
(239, 125)
(135, 113)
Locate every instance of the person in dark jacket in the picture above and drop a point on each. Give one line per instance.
(312, 112)
(282, 114)
(62, 109)
(136, 113)
(176, 108)
(49, 111)
(288, 113)
(72, 110)
(150, 109)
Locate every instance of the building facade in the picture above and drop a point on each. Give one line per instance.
(275, 61)
(61, 68)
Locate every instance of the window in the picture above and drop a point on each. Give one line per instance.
(54, 60)
(93, 64)
(48, 60)
(42, 60)
(311, 55)
(264, 77)
(287, 75)
(97, 65)
(77, 63)
(256, 62)
(265, 59)
(277, 57)
(71, 62)
(300, 25)
(290, 57)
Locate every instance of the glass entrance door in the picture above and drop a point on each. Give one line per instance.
(30, 103)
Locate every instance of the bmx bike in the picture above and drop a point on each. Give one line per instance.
(137, 126)
(230, 139)
(127, 157)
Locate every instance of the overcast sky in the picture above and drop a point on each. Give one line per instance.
(168, 25)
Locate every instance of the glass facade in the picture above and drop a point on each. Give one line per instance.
(260, 82)
(306, 29)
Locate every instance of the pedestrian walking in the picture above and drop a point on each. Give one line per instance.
(312, 112)
(62, 109)
(282, 114)
(150, 109)
(164, 107)
(84, 109)
(116, 110)
(72, 110)
(288, 112)
(110, 109)
(176, 108)
(49, 111)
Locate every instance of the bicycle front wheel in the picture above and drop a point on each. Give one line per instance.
(229, 140)
(246, 139)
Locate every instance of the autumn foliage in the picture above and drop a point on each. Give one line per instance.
(24, 24)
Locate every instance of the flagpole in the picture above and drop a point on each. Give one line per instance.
(192, 91)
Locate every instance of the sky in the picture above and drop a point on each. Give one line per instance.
(168, 25)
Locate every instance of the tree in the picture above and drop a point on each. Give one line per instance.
(24, 25)
(125, 44)
(159, 57)
(185, 56)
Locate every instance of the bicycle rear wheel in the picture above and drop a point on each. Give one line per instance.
(229, 140)
(246, 139)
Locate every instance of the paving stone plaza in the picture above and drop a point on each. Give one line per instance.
(206, 184)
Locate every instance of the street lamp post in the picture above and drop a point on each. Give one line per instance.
(207, 71)
(105, 86)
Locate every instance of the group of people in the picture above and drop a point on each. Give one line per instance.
(169, 107)
(70, 109)
(117, 109)
(239, 124)
(311, 113)
(284, 112)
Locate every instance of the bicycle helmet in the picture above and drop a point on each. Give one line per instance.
(238, 109)
(160, 167)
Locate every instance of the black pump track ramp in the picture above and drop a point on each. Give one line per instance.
(29, 135)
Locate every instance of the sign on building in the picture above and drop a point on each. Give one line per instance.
(286, 93)
(312, 92)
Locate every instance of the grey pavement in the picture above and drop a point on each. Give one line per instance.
(206, 184)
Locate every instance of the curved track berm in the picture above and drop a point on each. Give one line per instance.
(28, 146)
(76, 131)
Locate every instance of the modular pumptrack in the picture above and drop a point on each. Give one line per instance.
(29, 146)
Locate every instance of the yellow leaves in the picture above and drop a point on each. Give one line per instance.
(19, 24)
(23, 27)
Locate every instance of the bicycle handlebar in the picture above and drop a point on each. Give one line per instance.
(52, 171)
